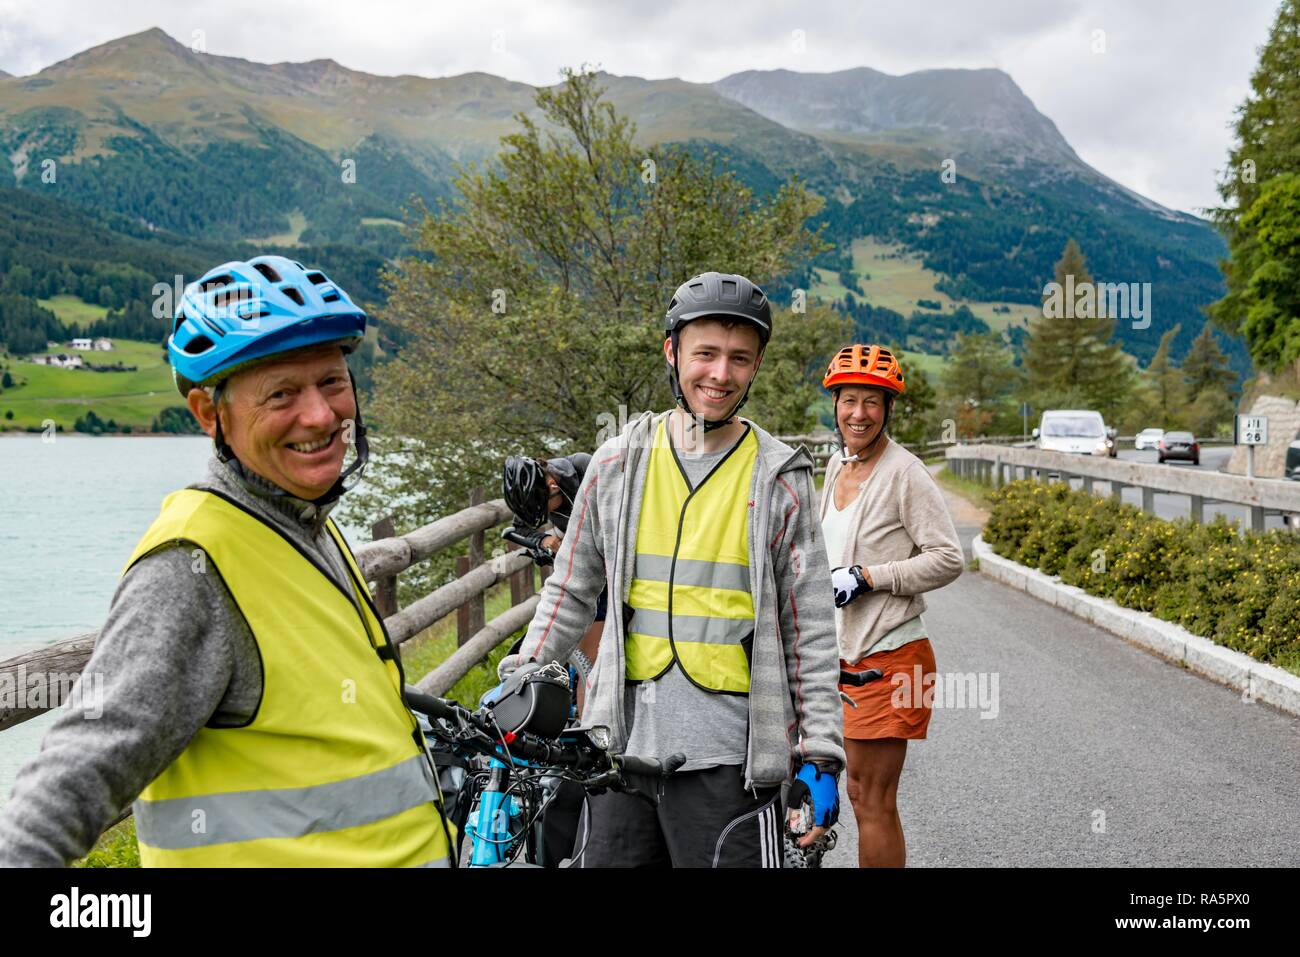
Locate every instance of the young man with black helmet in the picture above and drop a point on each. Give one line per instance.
(704, 527)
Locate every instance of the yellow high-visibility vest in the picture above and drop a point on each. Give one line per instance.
(331, 769)
(690, 596)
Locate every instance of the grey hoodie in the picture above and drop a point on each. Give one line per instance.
(795, 713)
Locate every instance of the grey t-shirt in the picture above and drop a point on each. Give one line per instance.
(671, 714)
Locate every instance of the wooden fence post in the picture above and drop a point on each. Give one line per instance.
(385, 588)
(517, 579)
(470, 618)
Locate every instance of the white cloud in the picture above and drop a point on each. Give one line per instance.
(1151, 112)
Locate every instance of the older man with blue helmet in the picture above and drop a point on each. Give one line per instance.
(252, 705)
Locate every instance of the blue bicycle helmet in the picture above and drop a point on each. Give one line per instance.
(243, 312)
(240, 312)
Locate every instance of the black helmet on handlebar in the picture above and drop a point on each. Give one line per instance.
(523, 484)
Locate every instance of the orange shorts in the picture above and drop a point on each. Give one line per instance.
(890, 707)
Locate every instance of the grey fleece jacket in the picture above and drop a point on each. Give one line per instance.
(175, 655)
(795, 713)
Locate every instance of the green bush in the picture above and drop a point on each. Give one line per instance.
(1242, 590)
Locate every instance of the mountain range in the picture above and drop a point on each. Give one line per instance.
(209, 147)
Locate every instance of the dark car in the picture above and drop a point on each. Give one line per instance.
(1179, 445)
(1293, 461)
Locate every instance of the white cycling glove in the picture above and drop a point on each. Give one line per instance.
(848, 583)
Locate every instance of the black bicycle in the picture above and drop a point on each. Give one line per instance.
(513, 776)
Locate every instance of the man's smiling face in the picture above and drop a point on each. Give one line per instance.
(286, 419)
(716, 364)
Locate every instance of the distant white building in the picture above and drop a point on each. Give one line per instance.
(82, 344)
(61, 359)
(103, 345)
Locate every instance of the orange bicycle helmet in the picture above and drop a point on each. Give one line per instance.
(864, 365)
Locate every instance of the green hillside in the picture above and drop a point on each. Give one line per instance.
(129, 398)
(72, 309)
(184, 160)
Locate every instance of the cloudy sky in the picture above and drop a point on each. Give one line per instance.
(1144, 92)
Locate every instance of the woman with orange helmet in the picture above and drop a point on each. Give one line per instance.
(889, 538)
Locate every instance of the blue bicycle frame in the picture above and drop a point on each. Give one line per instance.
(497, 815)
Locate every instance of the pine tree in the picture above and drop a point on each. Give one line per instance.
(1168, 388)
(1069, 358)
(1205, 366)
(982, 376)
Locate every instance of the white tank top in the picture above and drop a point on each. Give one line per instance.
(835, 529)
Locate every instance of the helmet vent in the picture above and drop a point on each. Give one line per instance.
(198, 345)
(293, 293)
(232, 295)
(216, 282)
(316, 278)
(330, 297)
(265, 269)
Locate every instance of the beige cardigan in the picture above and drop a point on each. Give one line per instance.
(901, 533)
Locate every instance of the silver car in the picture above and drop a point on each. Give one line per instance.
(1148, 439)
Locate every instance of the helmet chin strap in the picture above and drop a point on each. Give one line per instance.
(227, 455)
(674, 379)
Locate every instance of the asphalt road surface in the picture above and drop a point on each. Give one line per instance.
(1099, 754)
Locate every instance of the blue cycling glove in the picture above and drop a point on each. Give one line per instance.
(822, 789)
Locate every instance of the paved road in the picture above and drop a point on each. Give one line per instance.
(1184, 772)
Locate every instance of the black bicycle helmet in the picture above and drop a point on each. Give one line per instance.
(523, 484)
(712, 295)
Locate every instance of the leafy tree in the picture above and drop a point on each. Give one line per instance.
(19, 281)
(531, 308)
(90, 423)
(1267, 150)
(979, 381)
(1271, 297)
(1069, 359)
(1211, 413)
(788, 386)
(913, 419)
(175, 419)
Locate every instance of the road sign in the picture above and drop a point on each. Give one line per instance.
(1250, 430)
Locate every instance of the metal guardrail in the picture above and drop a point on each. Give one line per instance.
(997, 465)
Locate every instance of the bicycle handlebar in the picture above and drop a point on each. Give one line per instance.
(602, 769)
(429, 705)
(649, 767)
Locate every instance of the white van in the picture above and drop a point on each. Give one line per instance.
(1079, 431)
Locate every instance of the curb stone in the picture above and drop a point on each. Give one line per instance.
(1257, 680)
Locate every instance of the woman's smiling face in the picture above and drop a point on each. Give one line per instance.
(859, 413)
